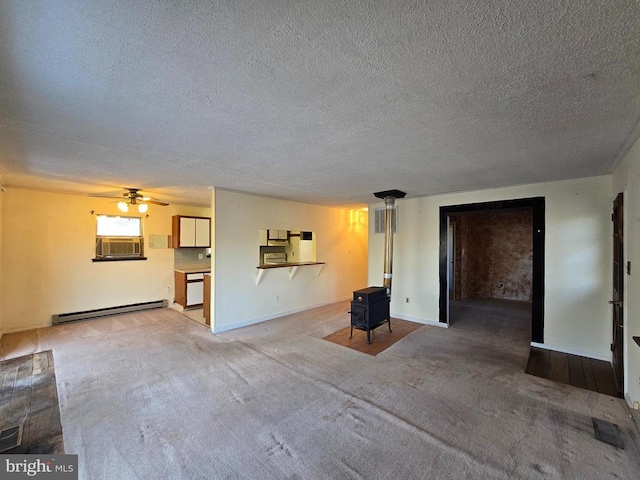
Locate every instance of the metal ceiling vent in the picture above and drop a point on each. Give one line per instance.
(104, 312)
(379, 220)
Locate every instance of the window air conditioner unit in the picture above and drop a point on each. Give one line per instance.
(119, 247)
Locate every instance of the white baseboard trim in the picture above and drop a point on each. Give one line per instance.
(253, 321)
(24, 329)
(177, 307)
(571, 351)
(634, 406)
(419, 320)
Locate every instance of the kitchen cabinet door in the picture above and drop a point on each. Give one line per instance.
(190, 231)
(181, 288)
(202, 232)
(187, 232)
(278, 234)
(195, 293)
(189, 289)
(206, 302)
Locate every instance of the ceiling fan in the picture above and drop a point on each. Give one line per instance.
(133, 197)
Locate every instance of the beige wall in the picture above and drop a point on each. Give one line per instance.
(626, 179)
(577, 259)
(341, 243)
(1, 270)
(47, 247)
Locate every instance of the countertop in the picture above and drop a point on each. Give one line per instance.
(266, 266)
(193, 268)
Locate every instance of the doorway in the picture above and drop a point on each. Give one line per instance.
(449, 267)
(617, 341)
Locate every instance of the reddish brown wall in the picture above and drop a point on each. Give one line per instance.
(493, 255)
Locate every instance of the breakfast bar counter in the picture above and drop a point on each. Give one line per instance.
(293, 268)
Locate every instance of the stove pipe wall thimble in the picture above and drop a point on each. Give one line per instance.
(389, 197)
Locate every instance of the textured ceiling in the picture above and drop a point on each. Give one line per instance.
(317, 101)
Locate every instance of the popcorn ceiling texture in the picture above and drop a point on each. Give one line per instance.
(494, 255)
(320, 102)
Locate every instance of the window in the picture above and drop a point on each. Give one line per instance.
(119, 238)
(112, 226)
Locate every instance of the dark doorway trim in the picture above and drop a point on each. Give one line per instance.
(537, 206)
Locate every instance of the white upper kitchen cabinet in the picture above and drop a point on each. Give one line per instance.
(191, 231)
(278, 234)
(187, 232)
(203, 232)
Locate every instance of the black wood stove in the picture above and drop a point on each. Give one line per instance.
(370, 309)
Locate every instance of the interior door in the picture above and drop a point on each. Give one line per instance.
(617, 346)
(449, 255)
(451, 282)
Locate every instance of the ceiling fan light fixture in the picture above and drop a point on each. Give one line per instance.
(132, 197)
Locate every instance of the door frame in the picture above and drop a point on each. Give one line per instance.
(537, 205)
(617, 291)
(451, 251)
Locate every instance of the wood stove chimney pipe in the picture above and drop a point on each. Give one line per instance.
(389, 197)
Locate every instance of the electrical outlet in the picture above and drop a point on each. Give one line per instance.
(199, 256)
(277, 298)
(406, 299)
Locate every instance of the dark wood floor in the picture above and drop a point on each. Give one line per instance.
(581, 372)
(381, 338)
(29, 411)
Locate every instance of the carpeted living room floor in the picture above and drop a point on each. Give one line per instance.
(155, 395)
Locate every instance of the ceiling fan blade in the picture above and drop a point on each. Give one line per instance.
(149, 199)
(98, 195)
(132, 196)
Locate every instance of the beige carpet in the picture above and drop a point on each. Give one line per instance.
(155, 395)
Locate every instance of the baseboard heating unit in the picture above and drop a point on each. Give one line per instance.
(103, 312)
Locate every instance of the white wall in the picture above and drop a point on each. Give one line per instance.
(626, 179)
(47, 246)
(577, 261)
(238, 301)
